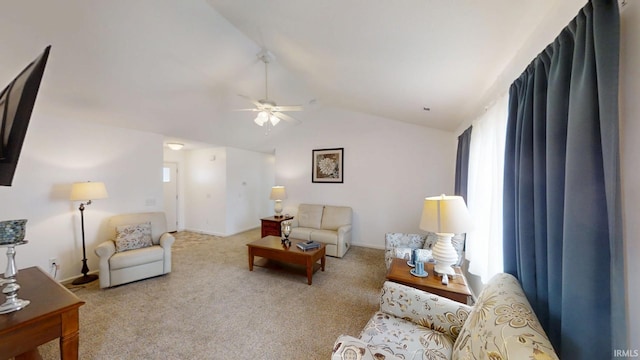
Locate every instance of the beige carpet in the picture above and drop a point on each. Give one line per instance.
(212, 307)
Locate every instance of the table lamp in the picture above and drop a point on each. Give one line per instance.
(86, 191)
(445, 216)
(278, 193)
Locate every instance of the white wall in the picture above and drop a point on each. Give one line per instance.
(205, 195)
(249, 179)
(226, 189)
(58, 152)
(389, 168)
(630, 148)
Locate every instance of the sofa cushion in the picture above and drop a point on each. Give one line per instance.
(503, 325)
(406, 339)
(348, 348)
(335, 216)
(310, 216)
(133, 236)
(136, 257)
(324, 236)
(301, 233)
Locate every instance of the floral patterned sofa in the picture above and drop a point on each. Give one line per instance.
(413, 324)
(400, 244)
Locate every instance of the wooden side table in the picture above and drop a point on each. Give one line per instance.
(52, 313)
(271, 225)
(457, 289)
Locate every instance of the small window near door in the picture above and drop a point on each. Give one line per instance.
(166, 175)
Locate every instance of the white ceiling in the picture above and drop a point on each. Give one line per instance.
(176, 67)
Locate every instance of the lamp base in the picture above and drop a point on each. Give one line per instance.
(441, 271)
(277, 208)
(444, 254)
(85, 279)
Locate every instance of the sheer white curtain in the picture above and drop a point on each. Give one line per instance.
(484, 197)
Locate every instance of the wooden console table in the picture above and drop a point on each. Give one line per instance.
(52, 313)
(271, 225)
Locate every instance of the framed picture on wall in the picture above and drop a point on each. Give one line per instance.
(327, 165)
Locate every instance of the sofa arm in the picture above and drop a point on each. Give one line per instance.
(423, 308)
(348, 347)
(344, 234)
(105, 251)
(166, 240)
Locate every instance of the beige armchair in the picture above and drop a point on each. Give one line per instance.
(121, 263)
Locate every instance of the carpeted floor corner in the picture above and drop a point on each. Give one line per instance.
(212, 307)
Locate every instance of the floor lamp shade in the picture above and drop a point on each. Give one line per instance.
(445, 216)
(278, 193)
(86, 191)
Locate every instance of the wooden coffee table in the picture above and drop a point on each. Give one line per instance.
(457, 289)
(270, 247)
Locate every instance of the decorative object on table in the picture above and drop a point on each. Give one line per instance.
(11, 235)
(286, 231)
(328, 165)
(418, 270)
(414, 257)
(86, 191)
(308, 245)
(278, 193)
(16, 114)
(445, 216)
(12, 231)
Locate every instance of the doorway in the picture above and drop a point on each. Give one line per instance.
(170, 189)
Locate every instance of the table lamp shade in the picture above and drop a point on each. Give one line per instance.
(278, 193)
(445, 214)
(82, 191)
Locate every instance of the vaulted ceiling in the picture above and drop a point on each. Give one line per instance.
(176, 67)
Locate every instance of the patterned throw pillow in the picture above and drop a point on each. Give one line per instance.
(130, 237)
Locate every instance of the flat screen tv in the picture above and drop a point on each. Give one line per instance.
(16, 105)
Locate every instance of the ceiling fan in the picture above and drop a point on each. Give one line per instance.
(268, 111)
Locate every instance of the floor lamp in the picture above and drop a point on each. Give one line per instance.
(85, 192)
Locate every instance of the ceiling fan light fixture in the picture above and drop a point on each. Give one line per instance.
(268, 110)
(274, 120)
(262, 118)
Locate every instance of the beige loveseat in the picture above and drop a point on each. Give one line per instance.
(414, 324)
(120, 267)
(327, 224)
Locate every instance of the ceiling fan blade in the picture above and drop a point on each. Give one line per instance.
(254, 102)
(246, 110)
(288, 108)
(287, 117)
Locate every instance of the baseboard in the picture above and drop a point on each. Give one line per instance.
(204, 232)
(69, 280)
(377, 247)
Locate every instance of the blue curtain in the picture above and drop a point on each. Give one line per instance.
(462, 163)
(562, 209)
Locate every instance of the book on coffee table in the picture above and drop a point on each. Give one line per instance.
(308, 246)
